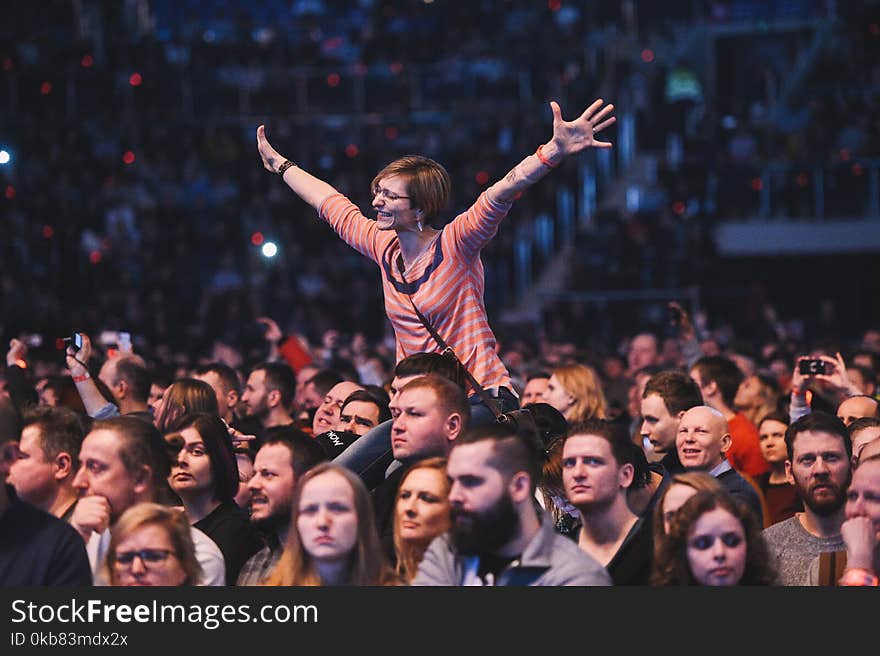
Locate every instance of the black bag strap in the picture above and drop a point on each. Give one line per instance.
(446, 350)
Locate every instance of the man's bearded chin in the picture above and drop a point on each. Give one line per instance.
(475, 533)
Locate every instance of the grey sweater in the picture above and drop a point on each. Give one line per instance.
(794, 549)
(549, 559)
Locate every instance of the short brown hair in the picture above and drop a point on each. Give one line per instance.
(61, 430)
(678, 390)
(427, 183)
(450, 397)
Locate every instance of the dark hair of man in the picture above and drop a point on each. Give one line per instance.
(868, 373)
(225, 373)
(141, 444)
(781, 417)
(450, 396)
(537, 374)
(379, 393)
(723, 372)
(136, 377)
(279, 377)
(324, 381)
(865, 396)
(622, 447)
(419, 364)
(872, 356)
(678, 390)
(861, 424)
(61, 431)
(218, 444)
(305, 453)
(817, 422)
(367, 397)
(512, 452)
(10, 421)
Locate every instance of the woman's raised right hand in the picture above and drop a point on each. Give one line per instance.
(271, 158)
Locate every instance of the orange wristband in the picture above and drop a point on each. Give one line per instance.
(857, 576)
(546, 162)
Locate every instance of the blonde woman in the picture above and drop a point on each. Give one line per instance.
(421, 513)
(151, 545)
(576, 391)
(333, 538)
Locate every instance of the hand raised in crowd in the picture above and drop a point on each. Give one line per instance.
(17, 352)
(836, 375)
(91, 515)
(682, 319)
(860, 537)
(272, 332)
(571, 137)
(78, 360)
(271, 157)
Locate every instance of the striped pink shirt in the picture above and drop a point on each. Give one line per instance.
(446, 282)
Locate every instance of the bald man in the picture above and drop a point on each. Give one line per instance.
(702, 441)
(857, 407)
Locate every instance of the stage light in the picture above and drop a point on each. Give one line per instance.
(351, 151)
(482, 177)
(257, 239)
(5, 157)
(333, 80)
(128, 157)
(135, 80)
(269, 249)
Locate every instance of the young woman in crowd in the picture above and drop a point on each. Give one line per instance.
(205, 478)
(433, 271)
(421, 513)
(576, 391)
(713, 539)
(333, 538)
(150, 544)
(780, 494)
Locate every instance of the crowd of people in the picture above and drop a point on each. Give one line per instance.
(156, 205)
(718, 469)
(293, 424)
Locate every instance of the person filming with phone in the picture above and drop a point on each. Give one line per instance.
(124, 374)
(822, 374)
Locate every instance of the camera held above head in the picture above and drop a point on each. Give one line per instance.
(812, 367)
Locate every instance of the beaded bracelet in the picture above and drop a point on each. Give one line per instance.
(287, 164)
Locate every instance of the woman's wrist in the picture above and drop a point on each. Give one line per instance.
(284, 166)
(859, 576)
(549, 154)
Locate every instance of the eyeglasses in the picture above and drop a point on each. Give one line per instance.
(148, 556)
(387, 195)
